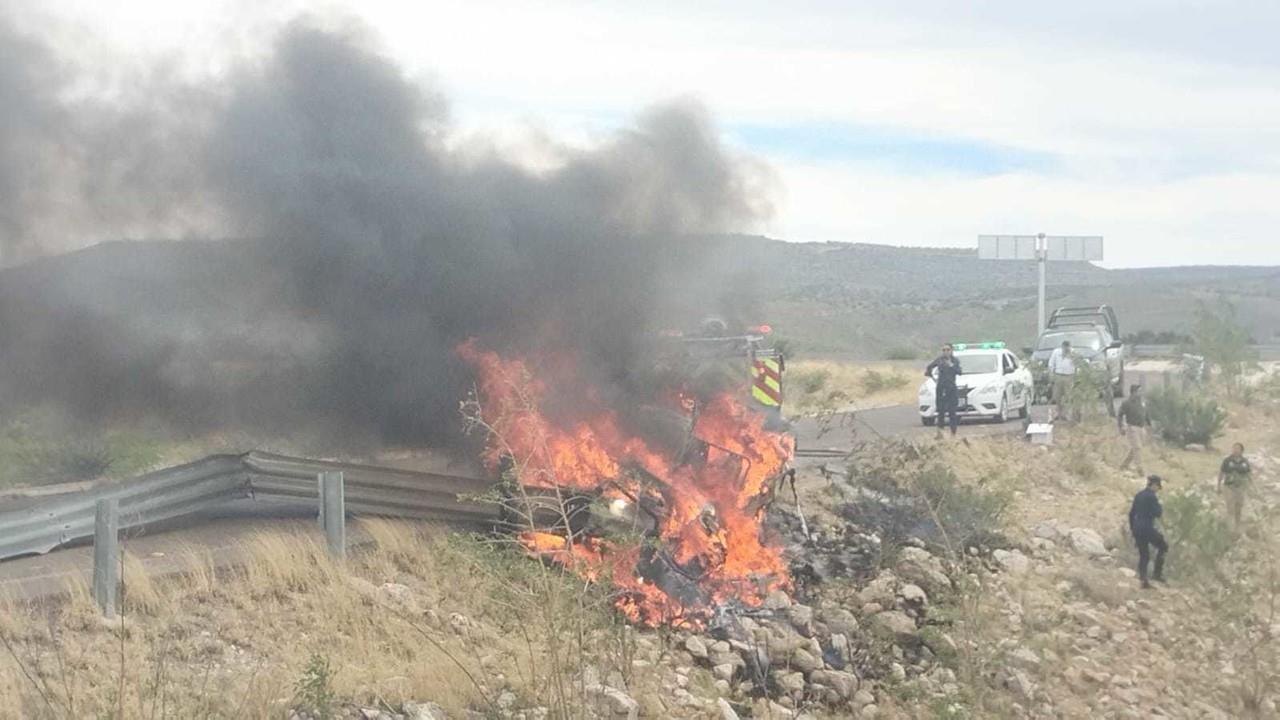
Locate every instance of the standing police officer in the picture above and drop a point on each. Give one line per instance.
(947, 398)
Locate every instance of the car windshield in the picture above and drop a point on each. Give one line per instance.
(979, 364)
(1083, 340)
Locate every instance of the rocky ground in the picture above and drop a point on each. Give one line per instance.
(985, 578)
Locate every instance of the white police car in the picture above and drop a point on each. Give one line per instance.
(993, 385)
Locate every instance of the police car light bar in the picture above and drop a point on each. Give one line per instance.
(996, 345)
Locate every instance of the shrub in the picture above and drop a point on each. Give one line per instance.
(314, 690)
(1196, 532)
(902, 353)
(75, 460)
(874, 381)
(810, 380)
(1184, 418)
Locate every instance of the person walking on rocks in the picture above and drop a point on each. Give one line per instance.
(946, 396)
(1062, 373)
(1234, 476)
(1134, 420)
(1143, 514)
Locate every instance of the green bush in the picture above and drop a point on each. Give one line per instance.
(874, 381)
(1184, 418)
(1198, 535)
(902, 353)
(42, 463)
(314, 692)
(37, 453)
(809, 381)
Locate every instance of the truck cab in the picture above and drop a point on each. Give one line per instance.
(1094, 334)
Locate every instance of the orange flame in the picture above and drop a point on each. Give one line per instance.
(709, 528)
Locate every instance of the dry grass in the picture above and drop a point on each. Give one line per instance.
(820, 385)
(418, 617)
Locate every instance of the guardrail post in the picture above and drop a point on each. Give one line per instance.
(106, 555)
(333, 512)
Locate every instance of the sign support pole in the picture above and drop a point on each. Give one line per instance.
(1042, 254)
(1041, 248)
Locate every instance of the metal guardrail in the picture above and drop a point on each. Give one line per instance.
(179, 491)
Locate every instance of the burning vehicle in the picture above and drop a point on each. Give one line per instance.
(664, 502)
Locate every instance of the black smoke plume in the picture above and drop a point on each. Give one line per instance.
(380, 241)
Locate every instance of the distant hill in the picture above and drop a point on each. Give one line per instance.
(858, 300)
(861, 300)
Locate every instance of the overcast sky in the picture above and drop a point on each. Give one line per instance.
(1151, 122)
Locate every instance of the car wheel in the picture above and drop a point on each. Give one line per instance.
(929, 421)
(1003, 417)
(1025, 410)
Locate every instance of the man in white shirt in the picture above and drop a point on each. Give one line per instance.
(1062, 373)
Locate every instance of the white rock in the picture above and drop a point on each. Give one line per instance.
(844, 683)
(723, 671)
(1013, 562)
(614, 703)
(801, 616)
(696, 647)
(1025, 658)
(778, 712)
(840, 621)
(805, 661)
(914, 595)
(897, 672)
(1021, 685)
(923, 569)
(899, 625)
(792, 682)
(862, 698)
(1088, 542)
(880, 591)
(424, 711)
(726, 710)
(1047, 531)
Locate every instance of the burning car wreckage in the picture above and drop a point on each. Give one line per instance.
(664, 500)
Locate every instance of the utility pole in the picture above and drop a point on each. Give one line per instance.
(1041, 248)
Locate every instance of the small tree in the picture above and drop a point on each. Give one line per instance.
(1183, 418)
(1222, 340)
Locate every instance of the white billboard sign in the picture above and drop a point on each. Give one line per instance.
(1073, 248)
(1007, 247)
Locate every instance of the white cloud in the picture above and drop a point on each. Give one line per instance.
(1213, 219)
(1164, 120)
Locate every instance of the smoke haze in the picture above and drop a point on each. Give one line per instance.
(379, 241)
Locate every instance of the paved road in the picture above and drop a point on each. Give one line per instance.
(844, 431)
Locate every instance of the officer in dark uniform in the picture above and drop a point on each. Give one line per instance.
(947, 398)
(1142, 523)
